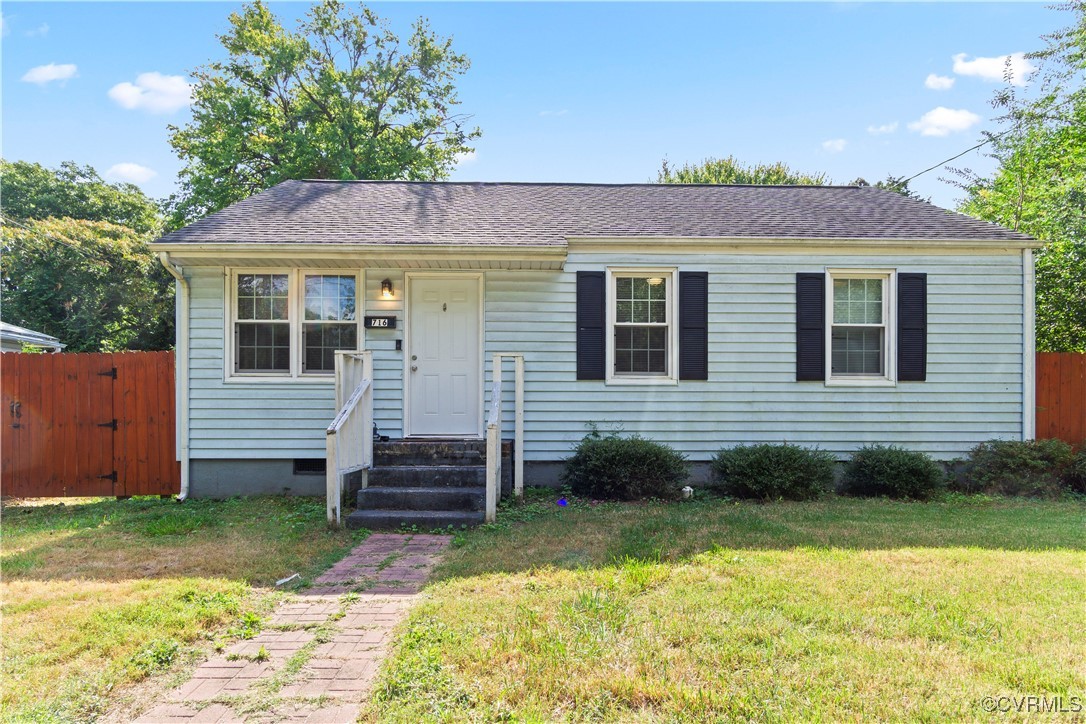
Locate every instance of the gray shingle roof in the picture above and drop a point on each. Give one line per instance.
(544, 214)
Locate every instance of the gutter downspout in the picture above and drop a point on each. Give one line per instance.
(182, 369)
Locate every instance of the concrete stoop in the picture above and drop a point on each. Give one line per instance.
(427, 484)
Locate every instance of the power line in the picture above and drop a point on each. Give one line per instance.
(74, 246)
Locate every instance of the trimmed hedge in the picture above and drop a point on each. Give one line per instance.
(773, 471)
(624, 468)
(876, 470)
(1016, 467)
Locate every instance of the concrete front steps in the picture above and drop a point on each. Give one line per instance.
(428, 484)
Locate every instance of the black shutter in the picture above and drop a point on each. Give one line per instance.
(810, 326)
(591, 325)
(693, 325)
(912, 327)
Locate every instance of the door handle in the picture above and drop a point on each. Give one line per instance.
(414, 368)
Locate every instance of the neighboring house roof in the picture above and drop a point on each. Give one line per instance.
(9, 333)
(545, 214)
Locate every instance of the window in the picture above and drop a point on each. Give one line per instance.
(330, 322)
(860, 341)
(290, 323)
(262, 330)
(641, 344)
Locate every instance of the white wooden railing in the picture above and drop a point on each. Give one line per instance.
(494, 434)
(349, 439)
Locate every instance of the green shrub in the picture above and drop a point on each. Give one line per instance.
(624, 468)
(1075, 475)
(769, 472)
(894, 472)
(1016, 467)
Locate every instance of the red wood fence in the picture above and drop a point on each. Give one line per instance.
(1061, 396)
(88, 424)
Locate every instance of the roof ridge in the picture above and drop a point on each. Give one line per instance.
(405, 182)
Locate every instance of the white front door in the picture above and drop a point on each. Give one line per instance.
(443, 365)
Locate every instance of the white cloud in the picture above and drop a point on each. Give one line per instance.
(130, 172)
(938, 82)
(562, 112)
(994, 68)
(153, 92)
(43, 74)
(882, 130)
(463, 159)
(944, 121)
(835, 145)
(39, 32)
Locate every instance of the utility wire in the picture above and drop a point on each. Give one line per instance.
(74, 246)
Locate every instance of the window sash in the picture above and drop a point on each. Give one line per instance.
(862, 349)
(641, 325)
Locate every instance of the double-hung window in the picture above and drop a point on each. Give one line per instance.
(330, 322)
(262, 326)
(289, 323)
(860, 327)
(641, 338)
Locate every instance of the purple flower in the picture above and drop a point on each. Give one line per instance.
(563, 502)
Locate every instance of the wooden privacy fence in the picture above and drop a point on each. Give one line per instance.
(1061, 396)
(88, 425)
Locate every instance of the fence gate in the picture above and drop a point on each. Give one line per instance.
(88, 425)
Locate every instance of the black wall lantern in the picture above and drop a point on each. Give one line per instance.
(386, 289)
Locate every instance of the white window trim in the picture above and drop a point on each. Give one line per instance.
(889, 315)
(672, 378)
(295, 311)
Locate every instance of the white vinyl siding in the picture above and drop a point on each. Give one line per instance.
(973, 391)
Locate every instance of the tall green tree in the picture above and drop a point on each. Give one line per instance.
(92, 284)
(32, 191)
(897, 184)
(731, 171)
(341, 97)
(1039, 186)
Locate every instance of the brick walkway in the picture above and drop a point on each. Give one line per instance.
(316, 659)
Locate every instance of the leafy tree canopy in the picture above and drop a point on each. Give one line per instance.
(1039, 186)
(341, 97)
(897, 184)
(92, 284)
(730, 171)
(32, 191)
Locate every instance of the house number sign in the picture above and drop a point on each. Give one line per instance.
(380, 323)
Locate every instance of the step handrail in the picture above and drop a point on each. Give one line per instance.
(349, 437)
(494, 433)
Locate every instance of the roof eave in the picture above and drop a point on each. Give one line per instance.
(805, 241)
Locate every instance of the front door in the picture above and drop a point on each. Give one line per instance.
(444, 365)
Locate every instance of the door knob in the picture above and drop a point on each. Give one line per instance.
(414, 368)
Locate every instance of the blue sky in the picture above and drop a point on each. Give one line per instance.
(567, 92)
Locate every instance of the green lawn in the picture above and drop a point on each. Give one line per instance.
(99, 595)
(710, 610)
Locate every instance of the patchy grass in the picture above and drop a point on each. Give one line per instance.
(839, 609)
(101, 594)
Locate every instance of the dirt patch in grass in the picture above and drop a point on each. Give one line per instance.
(99, 595)
(836, 610)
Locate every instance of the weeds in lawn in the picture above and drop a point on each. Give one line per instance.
(97, 593)
(840, 609)
(154, 657)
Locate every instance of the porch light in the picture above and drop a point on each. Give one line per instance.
(386, 289)
(655, 281)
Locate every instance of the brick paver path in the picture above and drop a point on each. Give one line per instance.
(321, 648)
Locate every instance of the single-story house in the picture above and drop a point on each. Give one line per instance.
(14, 339)
(697, 315)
